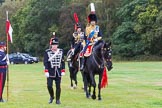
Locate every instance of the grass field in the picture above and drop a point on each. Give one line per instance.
(131, 85)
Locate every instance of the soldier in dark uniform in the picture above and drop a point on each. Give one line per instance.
(77, 42)
(3, 67)
(54, 68)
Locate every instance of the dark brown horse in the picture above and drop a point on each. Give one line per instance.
(73, 69)
(94, 65)
(74, 66)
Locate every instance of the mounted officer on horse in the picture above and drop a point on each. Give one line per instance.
(73, 57)
(96, 57)
(77, 41)
(92, 34)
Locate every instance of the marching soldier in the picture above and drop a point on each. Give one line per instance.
(3, 67)
(92, 32)
(54, 68)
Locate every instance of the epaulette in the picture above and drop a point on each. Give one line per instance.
(61, 49)
(82, 32)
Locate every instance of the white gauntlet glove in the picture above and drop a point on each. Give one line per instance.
(95, 40)
(47, 74)
(63, 72)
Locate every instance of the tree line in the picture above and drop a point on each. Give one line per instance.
(134, 27)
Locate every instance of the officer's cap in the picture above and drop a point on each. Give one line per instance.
(54, 41)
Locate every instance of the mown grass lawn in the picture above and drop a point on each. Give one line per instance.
(131, 85)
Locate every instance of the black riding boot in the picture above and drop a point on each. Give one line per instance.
(58, 92)
(71, 60)
(1, 100)
(81, 63)
(50, 90)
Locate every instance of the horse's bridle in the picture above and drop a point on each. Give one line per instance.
(100, 59)
(107, 59)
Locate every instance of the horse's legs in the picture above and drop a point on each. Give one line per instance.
(99, 87)
(82, 79)
(71, 82)
(71, 76)
(89, 90)
(75, 78)
(85, 85)
(94, 92)
(94, 85)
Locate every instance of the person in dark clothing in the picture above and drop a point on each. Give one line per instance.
(54, 68)
(76, 43)
(92, 33)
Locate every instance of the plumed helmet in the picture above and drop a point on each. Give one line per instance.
(78, 25)
(92, 17)
(2, 44)
(54, 41)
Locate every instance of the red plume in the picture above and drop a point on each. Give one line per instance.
(76, 18)
(104, 80)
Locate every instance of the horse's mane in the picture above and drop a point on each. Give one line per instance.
(98, 43)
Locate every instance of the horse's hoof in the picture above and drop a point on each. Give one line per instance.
(71, 87)
(100, 99)
(75, 87)
(88, 96)
(93, 97)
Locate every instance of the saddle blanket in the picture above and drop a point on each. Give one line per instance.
(88, 51)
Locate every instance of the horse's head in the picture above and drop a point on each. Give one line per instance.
(107, 52)
(103, 52)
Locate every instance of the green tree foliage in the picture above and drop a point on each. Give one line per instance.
(34, 24)
(144, 32)
(105, 11)
(126, 41)
(134, 26)
(66, 22)
(147, 21)
(11, 7)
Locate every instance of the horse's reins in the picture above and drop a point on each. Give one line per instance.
(101, 59)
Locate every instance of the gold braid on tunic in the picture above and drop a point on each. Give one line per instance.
(78, 36)
(89, 29)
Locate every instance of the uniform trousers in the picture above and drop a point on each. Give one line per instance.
(2, 82)
(50, 87)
